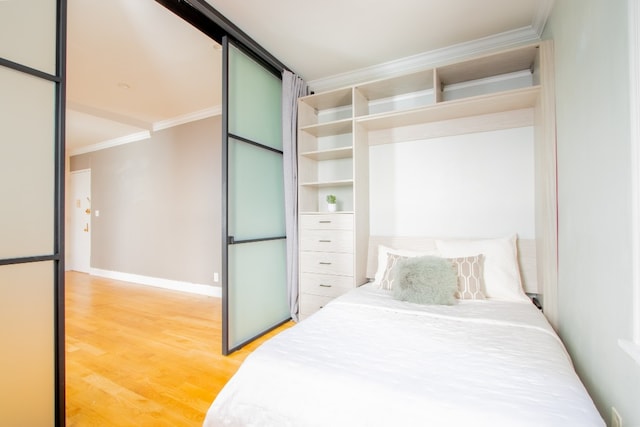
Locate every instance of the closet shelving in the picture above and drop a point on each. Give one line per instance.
(452, 98)
(325, 149)
(497, 83)
(335, 128)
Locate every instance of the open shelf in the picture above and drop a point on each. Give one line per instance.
(325, 107)
(509, 61)
(337, 127)
(321, 184)
(333, 154)
(478, 105)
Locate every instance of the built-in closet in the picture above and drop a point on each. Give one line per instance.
(501, 90)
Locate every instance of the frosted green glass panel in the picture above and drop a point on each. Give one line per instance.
(256, 283)
(255, 101)
(27, 164)
(258, 297)
(256, 192)
(27, 363)
(28, 33)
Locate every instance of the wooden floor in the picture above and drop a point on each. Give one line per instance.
(143, 356)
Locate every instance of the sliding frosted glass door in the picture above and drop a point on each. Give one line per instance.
(254, 283)
(31, 218)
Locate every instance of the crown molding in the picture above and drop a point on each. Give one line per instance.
(156, 126)
(108, 115)
(432, 58)
(187, 118)
(542, 15)
(138, 136)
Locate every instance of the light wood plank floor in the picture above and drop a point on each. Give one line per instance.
(142, 356)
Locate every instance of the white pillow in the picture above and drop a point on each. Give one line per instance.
(383, 251)
(501, 273)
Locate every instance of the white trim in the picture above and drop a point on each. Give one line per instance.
(513, 38)
(542, 14)
(138, 136)
(175, 285)
(187, 118)
(156, 126)
(109, 115)
(633, 347)
(429, 59)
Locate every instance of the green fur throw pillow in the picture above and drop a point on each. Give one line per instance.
(425, 280)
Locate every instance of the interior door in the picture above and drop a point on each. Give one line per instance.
(80, 250)
(32, 41)
(254, 254)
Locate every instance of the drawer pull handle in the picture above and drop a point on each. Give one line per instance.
(322, 285)
(324, 241)
(324, 222)
(324, 263)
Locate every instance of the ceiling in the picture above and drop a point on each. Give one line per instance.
(133, 67)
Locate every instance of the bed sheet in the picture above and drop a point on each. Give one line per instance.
(369, 360)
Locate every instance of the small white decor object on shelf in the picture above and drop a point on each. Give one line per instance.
(331, 203)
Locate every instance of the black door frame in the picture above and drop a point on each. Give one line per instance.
(57, 254)
(204, 17)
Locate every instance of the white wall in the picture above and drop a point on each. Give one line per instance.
(594, 199)
(478, 185)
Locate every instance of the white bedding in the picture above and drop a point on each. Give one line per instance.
(369, 360)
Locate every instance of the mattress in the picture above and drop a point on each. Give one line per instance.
(369, 360)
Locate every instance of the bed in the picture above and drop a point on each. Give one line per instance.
(370, 359)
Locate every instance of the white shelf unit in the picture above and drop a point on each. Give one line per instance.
(325, 151)
(508, 89)
(491, 92)
(331, 161)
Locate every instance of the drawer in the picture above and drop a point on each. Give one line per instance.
(326, 263)
(325, 284)
(309, 304)
(326, 222)
(326, 240)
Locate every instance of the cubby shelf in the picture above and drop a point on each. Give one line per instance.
(333, 154)
(478, 105)
(337, 127)
(321, 184)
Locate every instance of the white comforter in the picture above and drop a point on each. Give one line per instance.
(368, 360)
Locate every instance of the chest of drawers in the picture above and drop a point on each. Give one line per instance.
(326, 259)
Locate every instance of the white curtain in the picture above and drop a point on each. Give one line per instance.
(292, 88)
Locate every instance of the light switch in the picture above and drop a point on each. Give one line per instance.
(97, 212)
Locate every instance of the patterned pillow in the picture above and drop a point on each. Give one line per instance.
(386, 282)
(469, 277)
(469, 270)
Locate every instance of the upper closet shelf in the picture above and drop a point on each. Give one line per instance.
(331, 154)
(478, 105)
(332, 183)
(337, 127)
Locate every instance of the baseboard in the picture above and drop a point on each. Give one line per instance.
(175, 285)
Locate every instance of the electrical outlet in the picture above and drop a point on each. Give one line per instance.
(616, 420)
(216, 277)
